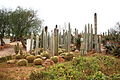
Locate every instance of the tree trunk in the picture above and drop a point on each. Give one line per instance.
(2, 42)
(23, 43)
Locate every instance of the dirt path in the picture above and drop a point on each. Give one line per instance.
(19, 73)
(9, 50)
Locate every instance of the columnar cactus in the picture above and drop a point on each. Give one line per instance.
(16, 48)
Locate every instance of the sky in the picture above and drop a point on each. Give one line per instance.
(77, 12)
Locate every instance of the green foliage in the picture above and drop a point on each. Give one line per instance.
(45, 54)
(115, 77)
(22, 62)
(4, 24)
(38, 61)
(54, 58)
(99, 76)
(39, 75)
(97, 67)
(112, 41)
(30, 58)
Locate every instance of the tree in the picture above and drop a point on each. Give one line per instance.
(4, 24)
(23, 21)
(113, 40)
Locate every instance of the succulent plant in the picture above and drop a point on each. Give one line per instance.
(38, 61)
(45, 54)
(18, 56)
(16, 48)
(22, 62)
(54, 58)
(38, 56)
(30, 58)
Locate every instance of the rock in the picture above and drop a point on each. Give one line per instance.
(77, 51)
(60, 59)
(48, 63)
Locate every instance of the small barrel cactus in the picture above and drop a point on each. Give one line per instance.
(18, 56)
(38, 56)
(54, 58)
(67, 56)
(38, 61)
(30, 58)
(45, 54)
(22, 62)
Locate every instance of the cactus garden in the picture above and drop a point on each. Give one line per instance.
(30, 50)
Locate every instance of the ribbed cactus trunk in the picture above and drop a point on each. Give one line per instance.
(76, 35)
(91, 38)
(31, 42)
(45, 39)
(52, 46)
(95, 36)
(86, 40)
(37, 44)
(69, 37)
(64, 39)
(56, 41)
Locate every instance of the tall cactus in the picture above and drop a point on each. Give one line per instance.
(69, 37)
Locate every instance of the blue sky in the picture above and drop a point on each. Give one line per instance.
(77, 12)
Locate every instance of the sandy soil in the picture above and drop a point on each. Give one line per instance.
(9, 50)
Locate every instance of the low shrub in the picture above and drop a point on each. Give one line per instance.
(115, 77)
(95, 67)
(22, 62)
(99, 76)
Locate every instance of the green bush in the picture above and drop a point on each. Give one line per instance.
(54, 58)
(115, 77)
(38, 61)
(99, 76)
(39, 75)
(22, 62)
(45, 54)
(96, 67)
(30, 58)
